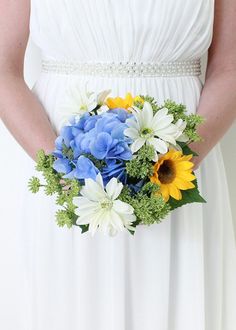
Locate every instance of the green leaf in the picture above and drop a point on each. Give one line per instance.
(188, 196)
(84, 228)
(132, 232)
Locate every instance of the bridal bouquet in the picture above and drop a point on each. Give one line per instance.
(120, 162)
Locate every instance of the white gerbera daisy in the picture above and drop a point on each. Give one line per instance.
(100, 208)
(157, 130)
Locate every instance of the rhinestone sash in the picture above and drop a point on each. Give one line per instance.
(124, 69)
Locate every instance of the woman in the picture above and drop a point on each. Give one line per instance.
(179, 274)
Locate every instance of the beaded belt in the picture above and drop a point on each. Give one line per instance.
(124, 69)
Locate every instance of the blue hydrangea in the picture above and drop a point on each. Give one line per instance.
(116, 169)
(99, 137)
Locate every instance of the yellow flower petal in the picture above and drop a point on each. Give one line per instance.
(111, 103)
(182, 184)
(185, 165)
(129, 100)
(119, 102)
(186, 176)
(165, 192)
(138, 99)
(175, 192)
(187, 157)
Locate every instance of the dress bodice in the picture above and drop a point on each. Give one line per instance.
(124, 30)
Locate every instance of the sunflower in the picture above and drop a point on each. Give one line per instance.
(173, 173)
(125, 103)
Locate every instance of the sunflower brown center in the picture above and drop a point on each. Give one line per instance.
(166, 172)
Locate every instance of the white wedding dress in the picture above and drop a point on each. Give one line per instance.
(177, 275)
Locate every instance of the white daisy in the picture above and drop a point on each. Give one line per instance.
(102, 96)
(78, 101)
(102, 109)
(181, 137)
(100, 208)
(157, 130)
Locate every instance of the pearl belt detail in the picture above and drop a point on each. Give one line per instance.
(124, 69)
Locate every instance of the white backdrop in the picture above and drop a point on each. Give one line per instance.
(11, 150)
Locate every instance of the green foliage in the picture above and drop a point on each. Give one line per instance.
(149, 208)
(188, 196)
(52, 178)
(67, 152)
(64, 189)
(34, 185)
(177, 110)
(149, 99)
(65, 218)
(150, 188)
(191, 129)
(84, 228)
(70, 190)
(193, 120)
(138, 104)
(44, 161)
(141, 166)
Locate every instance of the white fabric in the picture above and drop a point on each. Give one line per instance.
(177, 275)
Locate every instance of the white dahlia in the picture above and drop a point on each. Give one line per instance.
(157, 130)
(100, 208)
